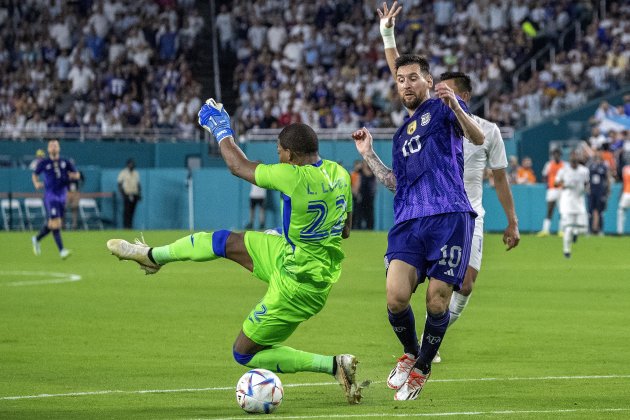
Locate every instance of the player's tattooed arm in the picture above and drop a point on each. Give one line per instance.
(363, 141)
(384, 174)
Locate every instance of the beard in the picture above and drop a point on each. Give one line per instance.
(411, 103)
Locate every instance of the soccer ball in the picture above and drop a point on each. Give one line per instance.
(259, 391)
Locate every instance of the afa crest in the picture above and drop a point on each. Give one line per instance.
(425, 118)
(411, 127)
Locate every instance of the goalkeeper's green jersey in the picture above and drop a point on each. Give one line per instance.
(315, 201)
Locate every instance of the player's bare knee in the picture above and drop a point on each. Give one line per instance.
(397, 307)
(397, 301)
(437, 303)
(235, 242)
(236, 250)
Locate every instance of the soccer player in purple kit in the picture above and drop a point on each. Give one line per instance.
(57, 174)
(433, 219)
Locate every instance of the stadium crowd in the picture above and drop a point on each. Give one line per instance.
(610, 135)
(321, 62)
(100, 66)
(104, 66)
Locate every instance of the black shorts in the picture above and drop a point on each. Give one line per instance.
(597, 202)
(253, 202)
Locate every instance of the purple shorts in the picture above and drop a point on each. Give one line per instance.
(438, 246)
(55, 206)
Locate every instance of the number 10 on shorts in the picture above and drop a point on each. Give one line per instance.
(451, 255)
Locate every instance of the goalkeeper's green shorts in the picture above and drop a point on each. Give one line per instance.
(287, 302)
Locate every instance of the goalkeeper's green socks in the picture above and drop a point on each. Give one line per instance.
(285, 359)
(195, 247)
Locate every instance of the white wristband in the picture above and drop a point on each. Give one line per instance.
(389, 40)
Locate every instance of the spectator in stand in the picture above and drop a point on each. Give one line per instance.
(36, 126)
(81, 77)
(604, 110)
(525, 173)
(597, 139)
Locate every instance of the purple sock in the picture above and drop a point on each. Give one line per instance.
(42, 232)
(434, 330)
(404, 325)
(57, 236)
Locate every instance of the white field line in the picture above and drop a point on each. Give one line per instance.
(49, 277)
(231, 388)
(443, 414)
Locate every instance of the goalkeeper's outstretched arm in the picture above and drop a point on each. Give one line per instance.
(215, 119)
(236, 160)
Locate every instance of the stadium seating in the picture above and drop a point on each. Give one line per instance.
(35, 212)
(90, 214)
(12, 215)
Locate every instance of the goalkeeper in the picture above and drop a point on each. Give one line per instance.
(300, 267)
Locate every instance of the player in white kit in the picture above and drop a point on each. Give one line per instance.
(476, 158)
(573, 179)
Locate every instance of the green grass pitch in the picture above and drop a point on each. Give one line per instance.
(542, 338)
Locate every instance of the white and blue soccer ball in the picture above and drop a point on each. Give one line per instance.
(259, 391)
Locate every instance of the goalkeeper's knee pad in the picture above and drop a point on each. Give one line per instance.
(219, 241)
(241, 358)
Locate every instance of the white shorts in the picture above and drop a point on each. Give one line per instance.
(624, 203)
(578, 220)
(553, 194)
(476, 249)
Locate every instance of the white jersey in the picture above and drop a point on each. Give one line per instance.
(257, 193)
(572, 196)
(476, 158)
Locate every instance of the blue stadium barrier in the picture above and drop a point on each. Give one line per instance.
(222, 200)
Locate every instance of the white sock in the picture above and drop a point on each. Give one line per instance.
(568, 238)
(546, 225)
(457, 305)
(621, 219)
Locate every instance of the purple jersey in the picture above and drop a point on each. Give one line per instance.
(428, 163)
(56, 177)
